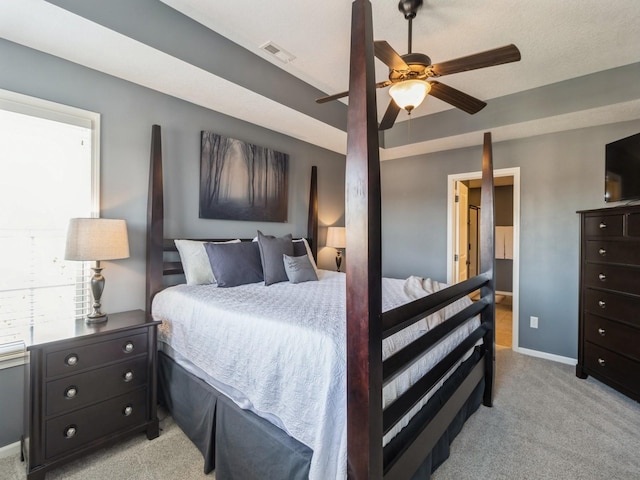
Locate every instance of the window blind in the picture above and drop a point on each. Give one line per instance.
(47, 176)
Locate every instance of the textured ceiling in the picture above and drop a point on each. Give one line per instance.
(558, 39)
(556, 86)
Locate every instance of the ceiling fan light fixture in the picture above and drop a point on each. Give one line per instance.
(409, 94)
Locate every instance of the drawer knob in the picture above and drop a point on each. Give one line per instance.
(602, 303)
(128, 410)
(70, 431)
(71, 392)
(602, 251)
(128, 347)
(128, 376)
(71, 360)
(602, 225)
(602, 277)
(601, 331)
(601, 362)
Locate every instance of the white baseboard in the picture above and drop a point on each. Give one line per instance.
(547, 356)
(10, 450)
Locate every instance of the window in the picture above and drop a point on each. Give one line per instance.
(48, 174)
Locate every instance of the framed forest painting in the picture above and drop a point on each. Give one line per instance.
(242, 181)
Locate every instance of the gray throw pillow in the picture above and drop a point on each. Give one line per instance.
(271, 251)
(235, 264)
(299, 269)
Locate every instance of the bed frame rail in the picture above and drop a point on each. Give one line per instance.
(405, 315)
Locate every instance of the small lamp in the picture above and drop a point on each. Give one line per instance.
(336, 238)
(96, 239)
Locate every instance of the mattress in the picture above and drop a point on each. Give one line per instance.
(280, 351)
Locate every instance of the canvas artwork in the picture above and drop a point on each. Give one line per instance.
(242, 181)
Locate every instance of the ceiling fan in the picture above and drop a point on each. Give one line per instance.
(408, 74)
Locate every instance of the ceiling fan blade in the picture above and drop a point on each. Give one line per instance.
(497, 56)
(456, 98)
(389, 56)
(336, 96)
(389, 116)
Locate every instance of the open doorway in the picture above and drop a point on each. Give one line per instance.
(463, 242)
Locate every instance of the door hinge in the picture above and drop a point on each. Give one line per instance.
(457, 199)
(455, 257)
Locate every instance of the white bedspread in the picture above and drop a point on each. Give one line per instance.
(280, 351)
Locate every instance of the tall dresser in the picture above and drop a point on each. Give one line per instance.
(609, 328)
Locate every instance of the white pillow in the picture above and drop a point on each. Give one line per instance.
(195, 261)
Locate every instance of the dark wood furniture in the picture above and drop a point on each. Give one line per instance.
(88, 387)
(409, 454)
(609, 328)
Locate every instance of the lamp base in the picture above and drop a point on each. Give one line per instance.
(338, 259)
(97, 286)
(94, 318)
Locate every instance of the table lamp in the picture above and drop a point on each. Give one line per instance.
(96, 239)
(336, 238)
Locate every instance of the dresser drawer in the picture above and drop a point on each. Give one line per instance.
(89, 387)
(621, 279)
(78, 358)
(603, 225)
(609, 251)
(615, 367)
(75, 430)
(612, 335)
(610, 305)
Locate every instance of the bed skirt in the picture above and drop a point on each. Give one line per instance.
(239, 445)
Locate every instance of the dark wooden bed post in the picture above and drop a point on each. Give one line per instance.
(155, 220)
(364, 290)
(312, 221)
(487, 264)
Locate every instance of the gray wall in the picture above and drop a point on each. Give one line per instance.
(128, 112)
(560, 174)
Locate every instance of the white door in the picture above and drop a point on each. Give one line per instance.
(461, 255)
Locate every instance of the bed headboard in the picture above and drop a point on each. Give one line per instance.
(159, 265)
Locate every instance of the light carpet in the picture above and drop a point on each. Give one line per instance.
(545, 424)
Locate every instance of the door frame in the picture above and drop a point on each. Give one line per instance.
(502, 172)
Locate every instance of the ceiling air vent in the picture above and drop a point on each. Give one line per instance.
(278, 52)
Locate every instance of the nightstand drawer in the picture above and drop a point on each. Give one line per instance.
(610, 251)
(603, 225)
(612, 335)
(612, 366)
(89, 387)
(609, 277)
(75, 430)
(78, 358)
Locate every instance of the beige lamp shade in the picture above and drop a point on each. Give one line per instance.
(336, 237)
(97, 239)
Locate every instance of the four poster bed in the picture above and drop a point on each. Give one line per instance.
(348, 375)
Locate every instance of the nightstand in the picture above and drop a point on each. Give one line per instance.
(87, 388)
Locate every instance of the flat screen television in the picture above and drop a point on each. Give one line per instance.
(622, 165)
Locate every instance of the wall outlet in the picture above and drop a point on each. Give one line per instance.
(533, 322)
